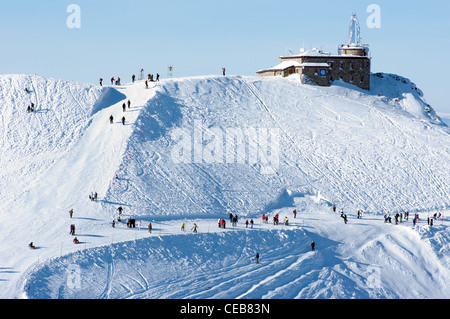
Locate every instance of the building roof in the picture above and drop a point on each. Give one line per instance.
(313, 52)
(282, 66)
(319, 53)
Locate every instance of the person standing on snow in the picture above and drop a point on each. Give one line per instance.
(257, 258)
(71, 213)
(313, 244)
(194, 228)
(111, 119)
(123, 120)
(101, 82)
(150, 227)
(182, 226)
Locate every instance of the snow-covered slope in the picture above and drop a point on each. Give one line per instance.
(197, 149)
(379, 152)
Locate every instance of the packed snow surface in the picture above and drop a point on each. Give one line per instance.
(194, 150)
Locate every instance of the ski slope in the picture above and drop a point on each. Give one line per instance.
(178, 158)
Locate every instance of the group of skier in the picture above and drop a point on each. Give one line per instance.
(124, 107)
(398, 217)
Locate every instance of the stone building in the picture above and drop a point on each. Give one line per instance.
(351, 64)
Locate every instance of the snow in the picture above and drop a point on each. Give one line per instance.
(381, 151)
(312, 52)
(282, 66)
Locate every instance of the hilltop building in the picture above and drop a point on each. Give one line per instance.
(351, 64)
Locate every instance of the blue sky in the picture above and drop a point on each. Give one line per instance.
(199, 37)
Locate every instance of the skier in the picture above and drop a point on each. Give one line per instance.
(295, 213)
(286, 221)
(118, 81)
(114, 223)
(275, 219)
(146, 84)
(344, 217)
(111, 119)
(257, 258)
(223, 71)
(101, 82)
(157, 77)
(182, 226)
(120, 209)
(123, 120)
(75, 240)
(133, 77)
(194, 228)
(123, 107)
(71, 213)
(313, 244)
(129, 103)
(150, 227)
(334, 208)
(72, 229)
(112, 80)
(31, 245)
(251, 223)
(246, 223)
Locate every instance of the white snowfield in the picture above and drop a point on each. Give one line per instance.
(196, 149)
